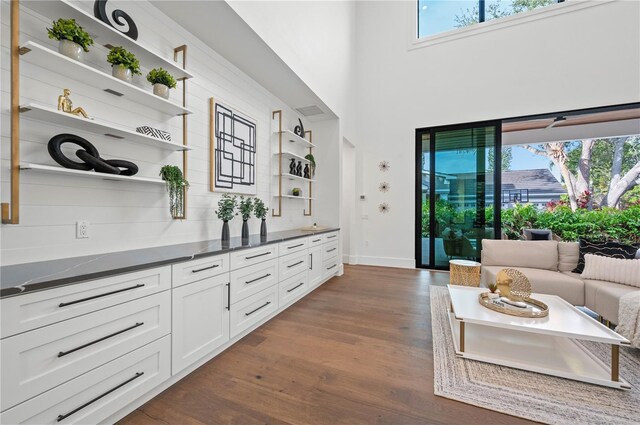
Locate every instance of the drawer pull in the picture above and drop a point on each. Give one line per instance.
(258, 278)
(258, 255)
(332, 249)
(64, 353)
(228, 285)
(295, 246)
(329, 268)
(259, 308)
(295, 264)
(77, 409)
(311, 267)
(295, 287)
(139, 285)
(205, 268)
(332, 236)
(316, 240)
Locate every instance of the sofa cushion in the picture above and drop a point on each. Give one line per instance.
(567, 287)
(607, 249)
(568, 254)
(533, 254)
(597, 267)
(604, 297)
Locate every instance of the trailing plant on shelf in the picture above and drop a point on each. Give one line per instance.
(162, 81)
(72, 37)
(246, 208)
(226, 211)
(176, 185)
(260, 211)
(312, 161)
(123, 62)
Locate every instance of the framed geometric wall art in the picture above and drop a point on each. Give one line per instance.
(232, 150)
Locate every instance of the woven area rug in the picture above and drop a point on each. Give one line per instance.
(531, 395)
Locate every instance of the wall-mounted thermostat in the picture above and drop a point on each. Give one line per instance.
(362, 197)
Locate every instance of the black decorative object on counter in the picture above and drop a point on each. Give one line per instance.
(292, 166)
(100, 12)
(245, 232)
(89, 155)
(299, 130)
(306, 171)
(226, 237)
(299, 169)
(263, 230)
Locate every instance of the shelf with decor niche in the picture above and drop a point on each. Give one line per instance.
(294, 138)
(106, 35)
(304, 198)
(294, 177)
(51, 115)
(52, 169)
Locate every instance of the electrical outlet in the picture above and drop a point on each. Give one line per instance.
(82, 229)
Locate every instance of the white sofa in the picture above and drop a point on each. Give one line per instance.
(549, 265)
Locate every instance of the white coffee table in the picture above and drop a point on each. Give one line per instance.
(544, 345)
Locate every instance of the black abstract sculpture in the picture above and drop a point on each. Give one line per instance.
(89, 155)
(100, 12)
(292, 166)
(299, 130)
(299, 169)
(306, 171)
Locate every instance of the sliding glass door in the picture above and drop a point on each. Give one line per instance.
(457, 192)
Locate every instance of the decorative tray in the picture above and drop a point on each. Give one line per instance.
(533, 309)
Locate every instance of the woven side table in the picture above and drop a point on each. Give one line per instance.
(464, 272)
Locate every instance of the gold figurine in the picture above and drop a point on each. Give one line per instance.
(66, 105)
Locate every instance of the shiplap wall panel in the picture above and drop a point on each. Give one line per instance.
(127, 215)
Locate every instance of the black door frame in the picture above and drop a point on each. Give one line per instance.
(497, 183)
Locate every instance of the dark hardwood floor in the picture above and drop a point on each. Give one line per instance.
(357, 350)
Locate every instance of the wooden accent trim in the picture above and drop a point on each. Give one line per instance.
(273, 116)
(11, 212)
(310, 133)
(183, 49)
(212, 145)
(461, 337)
(615, 363)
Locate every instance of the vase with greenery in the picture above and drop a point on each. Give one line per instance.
(245, 207)
(312, 161)
(162, 81)
(124, 64)
(176, 185)
(260, 211)
(73, 39)
(226, 211)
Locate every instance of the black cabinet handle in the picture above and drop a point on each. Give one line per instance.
(77, 409)
(205, 268)
(332, 236)
(259, 308)
(256, 256)
(316, 240)
(295, 287)
(332, 249)
(293, 265)
(295, 246)
(64, 353)
(258, 278)
(228, 285)
(329, 268)
(311, 267)
(139, 285)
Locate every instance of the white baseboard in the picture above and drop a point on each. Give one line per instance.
(403, 263)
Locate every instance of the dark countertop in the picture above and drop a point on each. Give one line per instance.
(19, 279)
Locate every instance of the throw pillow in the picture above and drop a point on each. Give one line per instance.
(626, 272)
(540, 235)
(606, 249)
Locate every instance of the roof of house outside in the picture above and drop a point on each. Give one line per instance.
(539, 180)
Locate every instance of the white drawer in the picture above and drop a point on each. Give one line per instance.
(253, 279)
(252, 310)
(329, 237)
(329, 251)
(330, 267)
(292, 264)
(94, 396)
(293, 289)
(293, 245)
(36, 361)
(192, 271)
(314, 240)
(248, 257)
(29, 311)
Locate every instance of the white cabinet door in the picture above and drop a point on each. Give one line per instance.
(253, 309)
(292, 289)
(330, 251)
(315, 266)
(292, 264)
(200, 320)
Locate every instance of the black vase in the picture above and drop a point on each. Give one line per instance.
(292, 166)
(245, 232)
(225, 232)
(306, 172)
(299, 169)
(263, 230)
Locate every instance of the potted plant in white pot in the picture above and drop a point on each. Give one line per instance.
(124, 64)
(73, 39)
(162, 81)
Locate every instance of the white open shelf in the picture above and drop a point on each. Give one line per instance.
(294, 138)
(293, 155)
(306, 198)
(25, 166)
(48, 114)
(55, 62)
(106, 35)
(293, 177)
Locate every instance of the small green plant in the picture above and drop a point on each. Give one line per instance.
(296, 191)
(120, 56)
(312, 161)
(493, 287)
(260, 210)
(245, 207)
(68, 29)
(176, 185)
(226, 207)
(160, 76)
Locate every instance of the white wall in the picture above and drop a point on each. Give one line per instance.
(348, 185)
(584, 58)
(131, 215)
